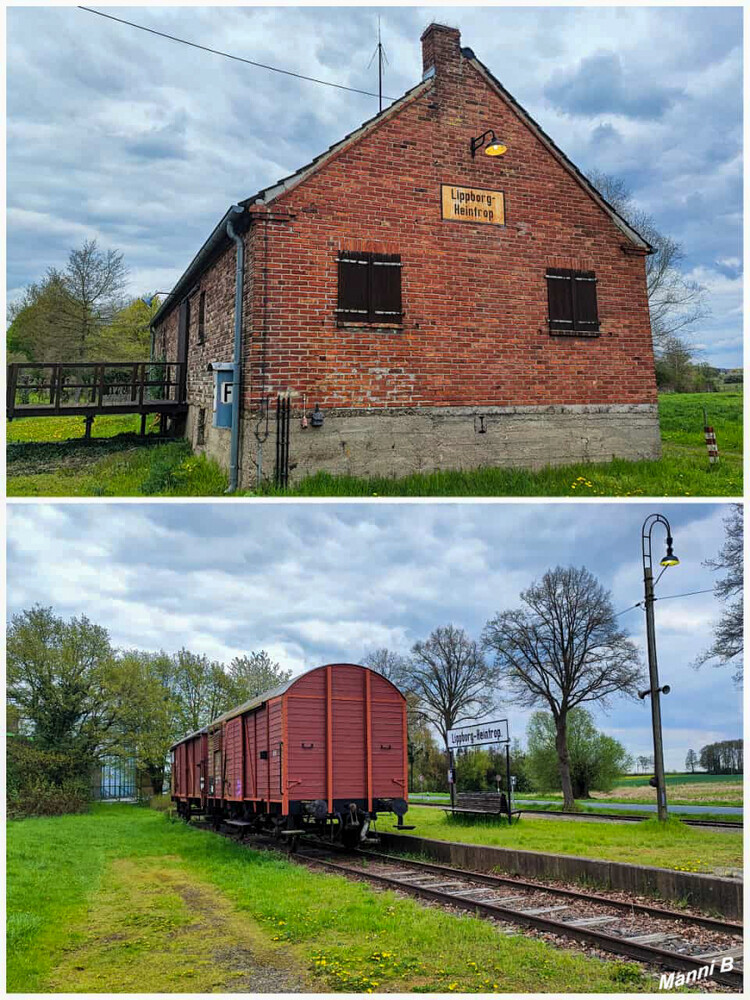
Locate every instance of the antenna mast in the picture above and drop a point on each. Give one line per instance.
(382, 57)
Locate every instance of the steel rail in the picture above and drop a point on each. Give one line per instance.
(607, 942)
(710, 923)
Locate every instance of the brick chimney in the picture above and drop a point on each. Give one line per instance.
(441, 47)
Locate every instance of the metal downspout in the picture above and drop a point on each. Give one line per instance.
(237, 359)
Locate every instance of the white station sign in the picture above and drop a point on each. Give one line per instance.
(479, 735)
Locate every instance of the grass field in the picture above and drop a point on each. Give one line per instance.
(121, 900)
(76, 470)
(672, 845)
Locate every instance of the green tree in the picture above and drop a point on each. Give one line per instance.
(34, 333)
(561, 649)
(674, 366)
(474, 771)
(61, 676)
(252, 675)
(127, 337)
(596, 759)
(202, 690)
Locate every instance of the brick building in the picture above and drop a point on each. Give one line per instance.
(422, 304)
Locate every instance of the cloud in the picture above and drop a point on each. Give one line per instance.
(600, 85)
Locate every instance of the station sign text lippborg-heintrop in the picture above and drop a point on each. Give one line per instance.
(481, 734)
(473, 205)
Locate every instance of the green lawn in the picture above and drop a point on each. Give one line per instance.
(118, 466)
(76, 470)
(122, 900)
(71, 428)
(699, 778)
(672, 846)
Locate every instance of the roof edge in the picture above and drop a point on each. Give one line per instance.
(269, 194)
(622, 224)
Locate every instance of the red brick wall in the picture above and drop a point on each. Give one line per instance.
(475, 299)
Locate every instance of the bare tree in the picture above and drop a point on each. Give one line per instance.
(728, 645)
(562, 649)
(390, 665)
(675, 302)
(94, 280)
(451, 678)
(691, 760)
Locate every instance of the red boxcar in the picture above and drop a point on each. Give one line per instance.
(323, 753)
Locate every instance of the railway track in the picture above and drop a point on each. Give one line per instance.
(657, 937)
(676, 942)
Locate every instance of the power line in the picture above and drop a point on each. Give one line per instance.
(669, 597)
(228, 55)
(631, 608)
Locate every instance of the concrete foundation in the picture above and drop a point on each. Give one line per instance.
(710, 893)
(398, 442)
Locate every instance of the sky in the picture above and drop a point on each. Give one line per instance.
(144, 143)
(318, 583)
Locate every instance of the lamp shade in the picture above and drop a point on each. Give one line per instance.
(495, 148)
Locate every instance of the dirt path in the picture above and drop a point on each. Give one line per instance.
(152, 928)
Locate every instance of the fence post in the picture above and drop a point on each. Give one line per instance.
(11, 397)
(56, 386)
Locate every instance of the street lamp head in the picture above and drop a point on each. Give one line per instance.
(670, 559)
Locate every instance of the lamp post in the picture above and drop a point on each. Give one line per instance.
(670, 559)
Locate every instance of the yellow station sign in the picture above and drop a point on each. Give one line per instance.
(462, 204)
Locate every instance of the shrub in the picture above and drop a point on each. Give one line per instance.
(43, 798)
(44, 782)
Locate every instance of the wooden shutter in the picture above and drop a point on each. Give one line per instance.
(572, 301)
(586, 313)
(385, 284)
(354, 287)
(560, 299)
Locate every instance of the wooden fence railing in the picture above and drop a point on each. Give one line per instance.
(89, 388)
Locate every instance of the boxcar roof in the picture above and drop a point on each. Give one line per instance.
(265, 696)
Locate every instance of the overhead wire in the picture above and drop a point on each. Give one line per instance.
(229, 55)
(668, 597)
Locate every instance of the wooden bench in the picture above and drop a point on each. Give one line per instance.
(480, 805)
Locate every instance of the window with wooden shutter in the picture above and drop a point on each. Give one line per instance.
(571, 296)
(201, 317)
(369, 288)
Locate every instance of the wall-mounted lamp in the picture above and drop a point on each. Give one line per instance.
(492, 145)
